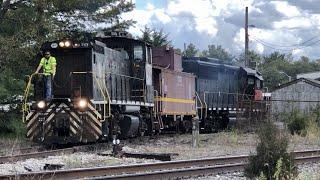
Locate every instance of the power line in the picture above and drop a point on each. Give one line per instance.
(293, 45)
(287, 50)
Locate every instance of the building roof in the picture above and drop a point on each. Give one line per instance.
(310, 75)
(306, 80)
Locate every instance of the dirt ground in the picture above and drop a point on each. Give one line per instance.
(210, 145)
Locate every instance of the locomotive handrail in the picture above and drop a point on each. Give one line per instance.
(25, 95)
(131, 77)
(135, 79)
(219, 92)
(197, 95)
(156, 104)
(102, 92)
(205, 103)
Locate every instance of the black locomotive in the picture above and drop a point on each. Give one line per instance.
(118, 86)
(223, 90)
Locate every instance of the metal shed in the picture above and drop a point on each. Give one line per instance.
(301, 94)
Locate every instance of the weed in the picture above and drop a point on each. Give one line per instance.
(297, 123)
(272, 159)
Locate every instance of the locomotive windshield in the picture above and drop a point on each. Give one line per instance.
(250, 81)
(138, 53)
(258, 84)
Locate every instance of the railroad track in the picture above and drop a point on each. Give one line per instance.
(26, 154)
(162, 170)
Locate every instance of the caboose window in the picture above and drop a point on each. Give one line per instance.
(138, 52)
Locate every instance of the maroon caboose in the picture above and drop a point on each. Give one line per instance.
(175, 102)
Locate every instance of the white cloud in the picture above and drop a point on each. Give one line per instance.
(259, 48)
(162, 16)
(286, 9)
(150, 7)
(298, 22)
(206, 25)
(204, 21)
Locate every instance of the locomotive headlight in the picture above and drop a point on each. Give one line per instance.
(82, 103)
(67, 44)
(61, 44)
(41, 104)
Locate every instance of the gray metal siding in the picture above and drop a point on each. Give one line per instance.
(300, 91)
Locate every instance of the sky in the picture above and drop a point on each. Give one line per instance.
(288, 26)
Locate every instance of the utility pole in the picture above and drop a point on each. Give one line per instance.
(246, 46)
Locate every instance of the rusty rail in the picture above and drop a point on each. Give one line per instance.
(42, 154)
(172, 169)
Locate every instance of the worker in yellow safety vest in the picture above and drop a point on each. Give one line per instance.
(48, 64)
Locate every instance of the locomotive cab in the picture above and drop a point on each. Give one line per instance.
(251, 83)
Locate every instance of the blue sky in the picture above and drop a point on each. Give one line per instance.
(141, 4)
(288, 26)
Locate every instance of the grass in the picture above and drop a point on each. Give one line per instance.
(10, 144)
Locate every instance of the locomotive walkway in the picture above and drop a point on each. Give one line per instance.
(162, 170)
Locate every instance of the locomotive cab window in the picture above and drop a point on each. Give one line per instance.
(138, 53)
(149, 55)
(258, 84)
(250, 81)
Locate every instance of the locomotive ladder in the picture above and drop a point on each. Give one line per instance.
(157, 121)
(106, 98)
(104, 91)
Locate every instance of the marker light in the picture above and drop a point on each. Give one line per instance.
(67, 43)
(41, 104)
(82, 103)
(54, 45)
(61, 44)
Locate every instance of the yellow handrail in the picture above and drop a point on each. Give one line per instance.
(102, 92)
(25, 96)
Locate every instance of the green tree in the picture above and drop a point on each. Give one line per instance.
(190, 51)
(254, 59)
(154, 37)
(217, 52)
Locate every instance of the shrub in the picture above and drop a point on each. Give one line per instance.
(11, 124)
(297, 123)
(272, 160)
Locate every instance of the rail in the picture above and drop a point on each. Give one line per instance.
(167, 170)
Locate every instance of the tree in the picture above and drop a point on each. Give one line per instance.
(217, 52)
(154, 37)
(190, 51)
(26, 24)
(254, 59)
